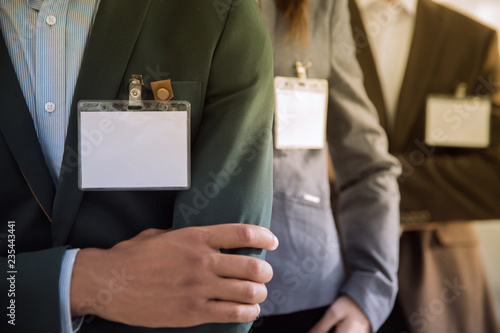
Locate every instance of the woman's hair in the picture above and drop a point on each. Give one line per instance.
(297, 14)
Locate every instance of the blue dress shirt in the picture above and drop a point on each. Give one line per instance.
(46, 41)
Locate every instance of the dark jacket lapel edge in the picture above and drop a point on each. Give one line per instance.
(18, 130)
(367, 63)
(430, 30)
(114, 34)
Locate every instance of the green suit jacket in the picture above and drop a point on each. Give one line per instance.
(218, 55)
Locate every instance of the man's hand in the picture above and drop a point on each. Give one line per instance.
(174, 278)
(346, 315)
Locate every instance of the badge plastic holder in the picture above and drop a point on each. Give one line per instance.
(461, 122)
(124, 145)
(301, 111)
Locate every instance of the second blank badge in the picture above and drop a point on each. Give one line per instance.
(301, 109)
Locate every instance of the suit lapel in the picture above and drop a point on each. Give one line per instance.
(16, 126)
(114, 34)
(367, 63)
(430, 30)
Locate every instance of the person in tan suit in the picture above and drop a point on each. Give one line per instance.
(409, 50)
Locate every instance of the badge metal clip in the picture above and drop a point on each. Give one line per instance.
(302, 69)
(135, 92)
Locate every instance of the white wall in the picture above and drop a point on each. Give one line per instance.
(487, 11)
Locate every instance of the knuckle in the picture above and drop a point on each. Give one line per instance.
(194, 306)
(263, 294)
(150, 232)
(251, 292)
(238, 314)
(246, 234)
(270, 273)
(201, 262)
(260, 270)
(193, 282)
(255, 268)
(195, 235)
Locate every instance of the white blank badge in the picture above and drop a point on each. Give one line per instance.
(458, 122)
(134, 150)
(301, 109)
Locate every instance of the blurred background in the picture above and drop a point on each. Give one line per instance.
(487, 11)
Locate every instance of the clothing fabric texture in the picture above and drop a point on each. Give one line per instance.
(390, 29)
(308, 268)
(46, 40)
(442, 283)
(290, 323)
(210, 53)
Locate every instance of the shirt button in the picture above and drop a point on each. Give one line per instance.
(50, 107)
(51, 20)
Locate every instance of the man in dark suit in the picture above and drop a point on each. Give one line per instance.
(441, 279)
(130, 272)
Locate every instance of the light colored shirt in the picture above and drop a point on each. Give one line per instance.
(68, 325)
(389, 27)
(46, 41)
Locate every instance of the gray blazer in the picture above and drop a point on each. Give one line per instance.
(308, 264)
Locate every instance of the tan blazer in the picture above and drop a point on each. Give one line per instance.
(441, 185)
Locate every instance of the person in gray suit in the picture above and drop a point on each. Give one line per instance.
(313, 289)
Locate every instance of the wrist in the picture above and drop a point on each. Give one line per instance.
(85, 281)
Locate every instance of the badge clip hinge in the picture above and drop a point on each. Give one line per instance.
(302, 69)
(135, 92)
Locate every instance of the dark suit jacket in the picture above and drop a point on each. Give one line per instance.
(441, 184)
(447, 49)
(219, 58)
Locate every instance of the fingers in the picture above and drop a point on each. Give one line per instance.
(238, 291)
(232, 236)
(331, 318)
(150, 233)
(229, 312)
(346, 315)
(242, 267)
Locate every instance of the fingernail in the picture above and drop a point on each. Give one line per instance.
(276, 242)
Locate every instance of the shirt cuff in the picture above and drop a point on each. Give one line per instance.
(68, 325)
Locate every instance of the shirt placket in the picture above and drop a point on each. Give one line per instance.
(50, 86)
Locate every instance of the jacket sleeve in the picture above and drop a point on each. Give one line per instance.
(368, 208)
(460, 184)
(34, 273)
(231, 179)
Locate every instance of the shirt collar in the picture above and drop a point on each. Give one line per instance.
(35, 4)
(410, 6)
